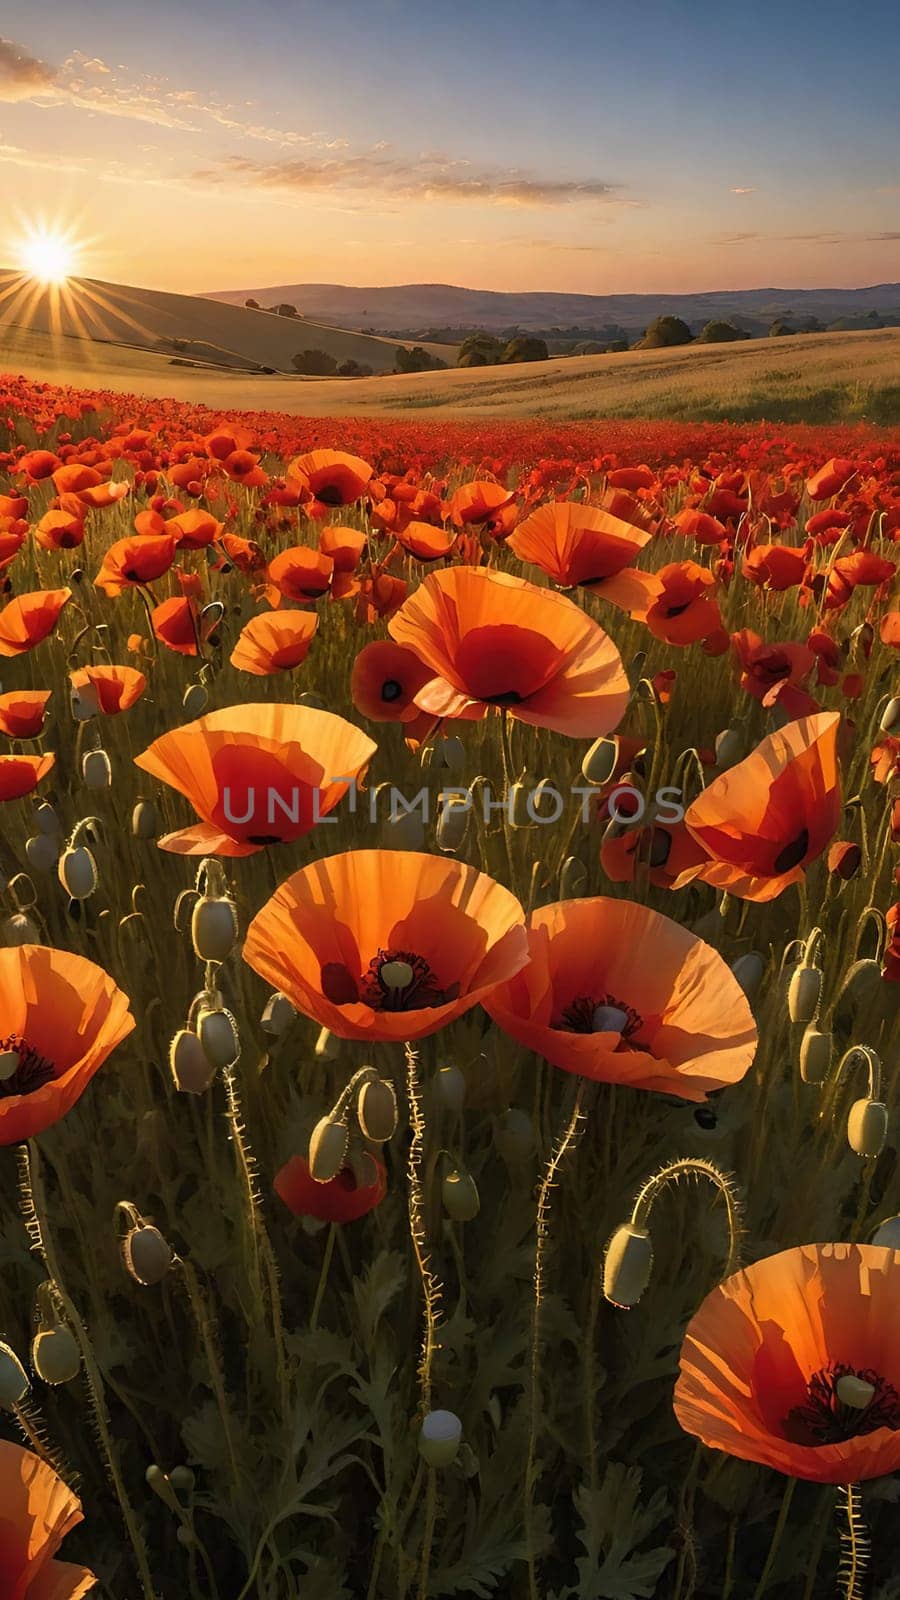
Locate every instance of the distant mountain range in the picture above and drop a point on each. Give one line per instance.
(416, 309)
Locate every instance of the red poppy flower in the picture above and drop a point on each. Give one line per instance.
(766, 1356)
(140, 558)
(38, 1511)
(890, 629)
(176, 623)
(301, 574)
(774, 566)
(22, 712)
(480, 501)
(424, 541)
(387, 944)
(385, 681)
(20, 774)
(38, 464)
(682, 609)
(12, 539)
(29, 619)
(256, 774)
(492, 640)
(830, 479)
(111, 689)
(767, 667)
(62, 1016)
(343, 547)
(274, 642)
(577, 544)
(701, 527)
(342, 1199)
(194, 530)
(60, 530)
(615, 992)
(331, 477)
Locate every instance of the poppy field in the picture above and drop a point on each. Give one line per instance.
(449, 977)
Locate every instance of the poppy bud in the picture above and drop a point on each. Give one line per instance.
(815, 1055)
(46, 819)
(547, 789)
(454, 753)
(627, 1265)
(459, 1196)
(844, 859)
(439, 1438)
(182, 1479)
(213, 927)
(13, 1378)
(194, 700)
(452, 824)
(573, 878)
(376, 1109)
(78, 872)
(42, 852)
(518, 804)
(313, 701)
(867, 1127)
(600, 763)
(450, 1088)
(147, 1255)
(191, 1067)
(327, 1149)
(862, 982)
(514, 1135)
(396, 974)
(55, 1356)
(157, 1480)
(96, 770)
(278, 1015)
(854, 1391)
(887, 1234)
(729, 749)
(144, 820)
(84, 702)
(405, 830)
(890, 716)
(804, 993)
(749, 970)
(21, 929)
(327, 1046)
(218, 1035)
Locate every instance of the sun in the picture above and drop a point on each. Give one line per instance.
(48, 255)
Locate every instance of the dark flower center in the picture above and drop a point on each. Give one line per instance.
(383, 993)
(391, 689)
(264, 838)
(510, 697)
(600, 1014)
(31, 1073)
(834, 1411)
(329, 495)
(793, 853)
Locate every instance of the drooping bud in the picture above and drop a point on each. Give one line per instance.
(13, 1378)
(327, 1046)
(183, 1479)
(600, 763)
(459, 1195)
(627, 1265)
(452, 823)
(749, 970)
(867, 1126)
(804, 993)
(192, 1069)
(147, 1255)
(890, 716)
(729, 749)
(450, 1087)
(403, 830)
(313, 701)
(514, 1135)
(520, 804)
(218, 1035)
(454, 752)
(144, 822)
(327, 1149)
(887, 1234)
(439, 1438)
(376, 1110)
(78, 872)
(214, 927)
(55, 1355)
(42, 851)
(863, 980)
(96, 770)
(573, 878)
(46, 820)
(277, 1015)
(21, 929)
(815, 1055)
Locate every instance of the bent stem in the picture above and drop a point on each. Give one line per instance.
(431, 1291)
(855, 1542)
(566, 1142)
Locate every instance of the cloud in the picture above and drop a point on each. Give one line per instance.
(835, 237)
(742, 190)
(432, 176)
(22, 76)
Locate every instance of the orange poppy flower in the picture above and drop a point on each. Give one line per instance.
(385, 680)
(59, 530)
(343, 546)
(830, 479)
(20, 774)
(890, 629)
(775, 667)
(620, 994)
(491, 639)
(301, 574)
(22, 712)
(244, 554)
(577, 544)
(188, 472)
(38, 464)
(480, 501)
(342, 1199)
(682, 610)
(73, 478)
(111, 689)
(664, 850)
(194, 529)
(141, 558)
(243, 467)
(424, 541)
(765, 1358)
(274, 642)
(13, 507)
(387, 944)
(62, 1017)
(176, 624)
(763, 821)
(38, 1511)
(256, 774)
(774, 566)
(700, 526)
(12, 539)
(101, 496)
(331, 477)
(29, 619)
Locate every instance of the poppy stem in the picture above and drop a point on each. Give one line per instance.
(431, 1291)
(566, 1142)
(323, 1277)
(777, 1536)
(855, 1541)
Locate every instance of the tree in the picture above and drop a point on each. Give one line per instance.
(664, 332)
(315, 364)
(353, 369)
(253, 305)
(721, 333)
(416, 360)
(780, 329)
(287, 310)
(479, 350)
(525, 348)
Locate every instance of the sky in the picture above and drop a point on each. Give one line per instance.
(572, 145)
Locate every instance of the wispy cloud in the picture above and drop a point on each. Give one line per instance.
(742, 189)
(835, 237)
(432, 176)
(22, 76)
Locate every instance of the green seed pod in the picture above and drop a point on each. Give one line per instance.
(218, 1036)
(815, 1055)
(214, 927)
(627, 1265)
(867, 1127)
(573, 878)
(195, 700)
(450, 1087)
(191, 1068)
(21, 929)
(147, 1255)
(890, 716)
(855, 1392)
(439, 1438)
(514, 1135)
(729, 749)
(405, 831)
(42, 851)
(9, 1063)
(459, 1196)
(278, 1015)
(13, 1378)
(96, 770)
(55, 1355)
(182, 1479)
(327, 1149)
(78, 872)
(600, 763)
(144, 822)
(327, 1046)
(749, 970)
(396, 974)
(804, 993)
(887, 1234)
(376, 1110)
(46, 820)
(452, 824)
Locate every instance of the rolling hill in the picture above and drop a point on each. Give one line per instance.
(413, 306)
(184, 328)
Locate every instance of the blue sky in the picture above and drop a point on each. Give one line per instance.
(592, 147)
